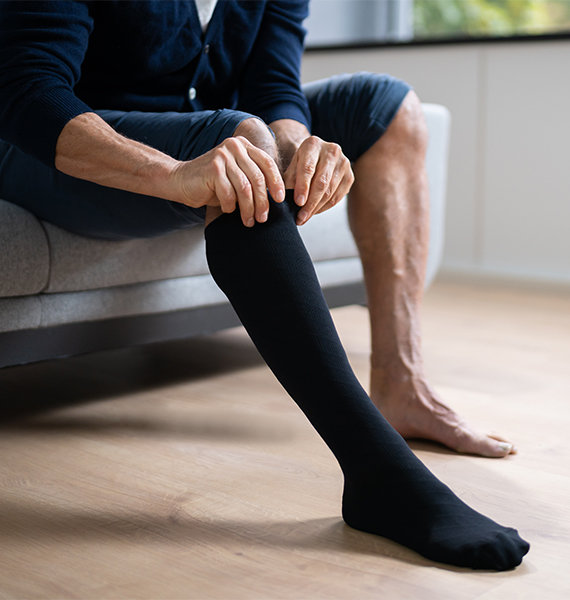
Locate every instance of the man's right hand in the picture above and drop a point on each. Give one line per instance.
(234, 173)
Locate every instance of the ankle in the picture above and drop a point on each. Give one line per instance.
(395, 378)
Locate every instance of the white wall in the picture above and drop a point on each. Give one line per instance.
(508, 209)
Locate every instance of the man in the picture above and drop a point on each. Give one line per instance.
(388, 210)
(166, 105)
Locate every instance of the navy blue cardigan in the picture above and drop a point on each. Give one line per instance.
(59, 59)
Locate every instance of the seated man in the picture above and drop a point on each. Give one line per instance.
(125, 119)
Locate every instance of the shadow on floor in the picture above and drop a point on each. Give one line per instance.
(180, 528)
(36, 388)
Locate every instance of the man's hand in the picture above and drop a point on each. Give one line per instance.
(233, 173)
(321, 176)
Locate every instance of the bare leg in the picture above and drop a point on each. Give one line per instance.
(388, 212)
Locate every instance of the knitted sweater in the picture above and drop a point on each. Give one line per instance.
(59, 59)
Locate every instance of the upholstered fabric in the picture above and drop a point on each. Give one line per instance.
(24, 252)
(80, 263)
(130, 300)
(20, 313)
(438, 121)
(162, 296)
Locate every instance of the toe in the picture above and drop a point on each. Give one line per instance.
(497, 438)
(522, 545)
(493, 448)
(470, 442)
(502, 553)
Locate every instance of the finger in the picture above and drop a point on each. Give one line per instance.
(258, 185)
(243, 191)
(268, 167)
(340, 192)
(307, 158)
(335, 182)
(320, 191)
(223, 189)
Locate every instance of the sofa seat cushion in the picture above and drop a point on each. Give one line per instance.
(327, 236)
(79, 263)
(24, 252)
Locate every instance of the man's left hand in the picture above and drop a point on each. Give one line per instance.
(321, 176)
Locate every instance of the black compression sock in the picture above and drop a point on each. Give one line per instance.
(266, 273)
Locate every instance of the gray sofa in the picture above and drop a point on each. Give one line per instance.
(63, 294)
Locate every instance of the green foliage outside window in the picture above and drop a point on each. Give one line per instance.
(476, 18)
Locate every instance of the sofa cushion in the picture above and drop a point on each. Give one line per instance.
(327, 236)
(79, 263)
(24, 252)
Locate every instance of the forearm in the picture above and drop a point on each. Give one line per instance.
(289, 135)
(88, 148)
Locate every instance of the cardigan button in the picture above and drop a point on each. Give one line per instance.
(207, 49)
(192, 93)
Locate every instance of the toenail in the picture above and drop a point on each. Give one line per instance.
(505, 446)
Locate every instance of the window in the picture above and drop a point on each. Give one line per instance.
(361, 22)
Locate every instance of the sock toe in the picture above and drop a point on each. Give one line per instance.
(502, 552)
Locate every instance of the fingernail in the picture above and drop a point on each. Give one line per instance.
(300, 200)
(250, 222)
(263, 217)
(280, 196)
(505, 447)
(302, 216)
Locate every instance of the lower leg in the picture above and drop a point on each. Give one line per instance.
(389, 217)
(268, 277)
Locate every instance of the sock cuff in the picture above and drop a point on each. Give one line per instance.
(228, 224)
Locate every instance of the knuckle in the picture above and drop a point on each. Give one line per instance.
(334, 150)
(268, 163)
(219, 153)
(322, 182)
(258, 180)
(234, 144)
(218, 165)
(244, 187)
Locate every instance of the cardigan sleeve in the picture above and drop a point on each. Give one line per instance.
(270, 86)
(42, 46)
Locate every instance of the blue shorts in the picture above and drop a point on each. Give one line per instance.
(351, 110)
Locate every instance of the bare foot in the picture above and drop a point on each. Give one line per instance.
(413, 409)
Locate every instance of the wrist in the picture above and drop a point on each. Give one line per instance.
(161, 178)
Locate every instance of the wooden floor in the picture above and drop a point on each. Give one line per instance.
(182, 470)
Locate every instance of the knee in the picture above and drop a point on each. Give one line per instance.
(257, 132)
